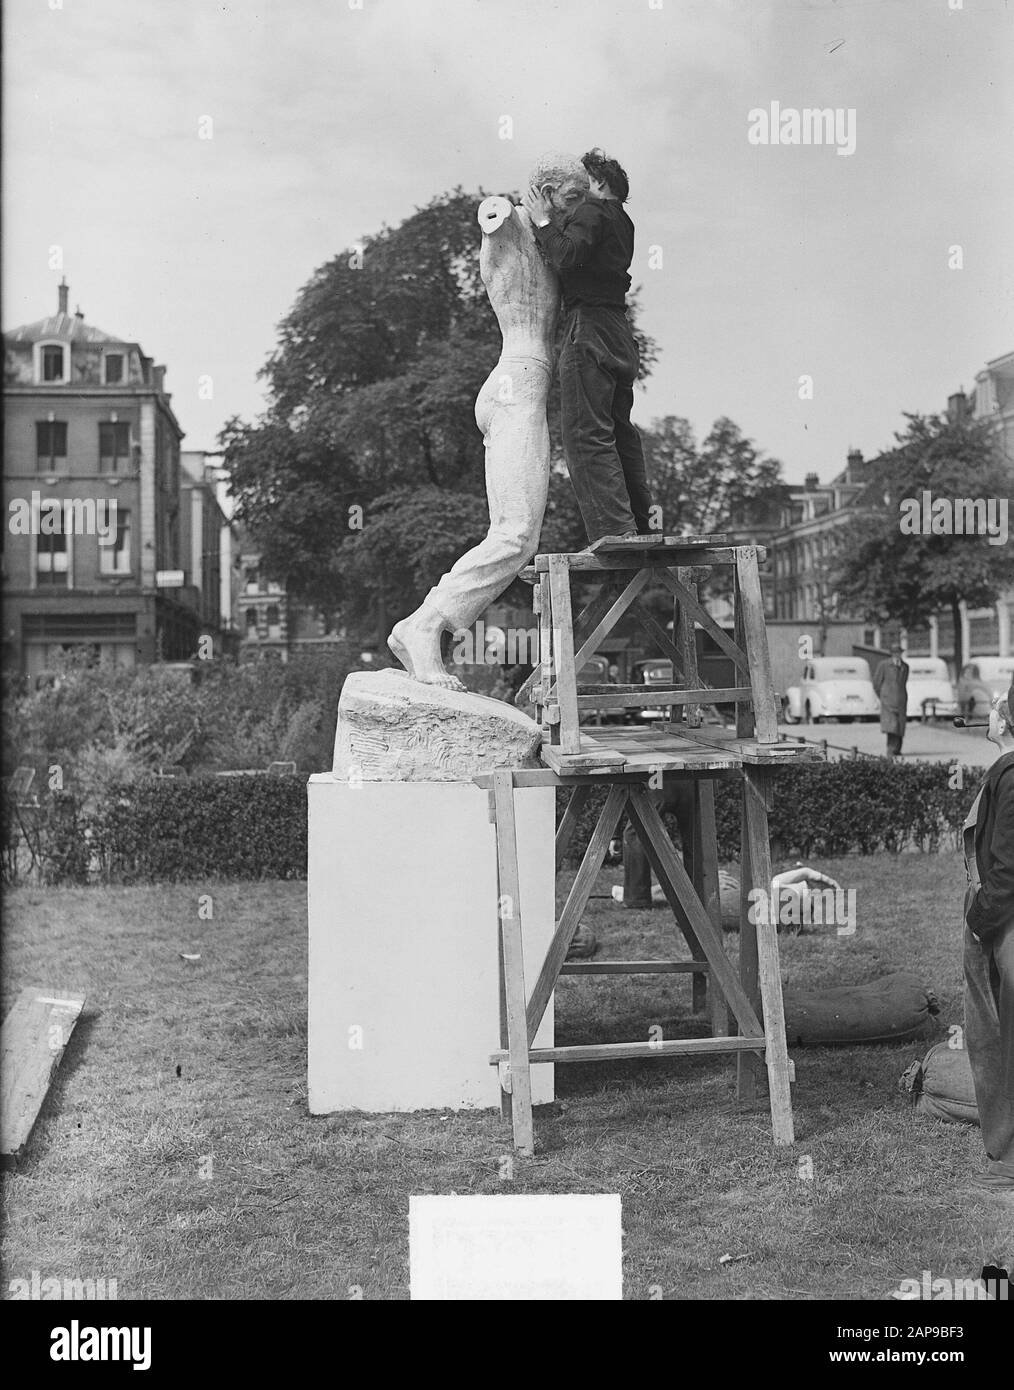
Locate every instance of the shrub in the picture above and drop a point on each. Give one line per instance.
(202, 827)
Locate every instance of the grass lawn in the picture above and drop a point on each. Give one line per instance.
(176, 1155)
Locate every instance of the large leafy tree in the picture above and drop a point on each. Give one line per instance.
(723, 482)
(887, 574)
(364, 479)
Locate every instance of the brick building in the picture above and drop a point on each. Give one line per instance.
(91, 443)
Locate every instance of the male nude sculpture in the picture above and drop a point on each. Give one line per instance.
(510, 409)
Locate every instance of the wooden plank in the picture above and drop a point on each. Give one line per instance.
(668, 695)
(567, 734)
(509, 913)
(747, 1078)
(705, 877)
(634, 967)
(32, 1041)
(584, 562)
(655, 543)
(568, 821)
(577, 899)
(744, 709)
(605, 1052)
(685, 593)
(749, 749)
(589, 760)
(776, 1055)
(683, 900)
(751, 604)
(681, 590)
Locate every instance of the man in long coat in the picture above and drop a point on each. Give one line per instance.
(890, 681)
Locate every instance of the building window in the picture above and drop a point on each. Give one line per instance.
(251, 623)
(274, 622)
(114, 446)
(252, 580)
(50, 444)
(114, 368)
(51, 560)
(53, 362)
(115, 557)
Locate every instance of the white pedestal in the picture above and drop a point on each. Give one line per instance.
(403, 978)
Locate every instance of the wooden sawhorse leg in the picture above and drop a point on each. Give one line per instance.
(516, 1087)
(760, 972)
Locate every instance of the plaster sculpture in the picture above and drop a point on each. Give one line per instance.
(511, 412)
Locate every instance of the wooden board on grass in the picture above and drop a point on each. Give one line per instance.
(32, 1040)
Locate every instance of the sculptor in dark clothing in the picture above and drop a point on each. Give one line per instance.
(989, 952)
(591, 252)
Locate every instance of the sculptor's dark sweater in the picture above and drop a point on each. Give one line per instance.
(591, 252)
(993, 908)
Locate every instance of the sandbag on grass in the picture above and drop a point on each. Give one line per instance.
(942, 1086)
(886, 1010)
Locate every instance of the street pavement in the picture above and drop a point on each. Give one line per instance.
(938, 743)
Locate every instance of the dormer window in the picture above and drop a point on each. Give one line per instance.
(113, 363)
(52, 363)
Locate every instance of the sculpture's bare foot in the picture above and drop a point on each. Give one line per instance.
(415, 641)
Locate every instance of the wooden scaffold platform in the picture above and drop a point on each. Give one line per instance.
(746, 1010)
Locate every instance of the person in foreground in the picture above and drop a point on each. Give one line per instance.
(989, 952)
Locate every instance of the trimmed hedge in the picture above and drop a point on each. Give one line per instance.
(252, 827)
(226, 827)
(828, 809)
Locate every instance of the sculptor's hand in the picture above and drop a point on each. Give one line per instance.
(537, 206)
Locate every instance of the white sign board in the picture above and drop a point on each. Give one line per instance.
(169, 579)
(545, 1247)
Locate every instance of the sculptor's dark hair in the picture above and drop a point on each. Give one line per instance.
(607, 171)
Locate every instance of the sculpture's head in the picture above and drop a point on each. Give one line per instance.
(562, 179)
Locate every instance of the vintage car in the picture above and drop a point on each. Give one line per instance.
(981, 681)
(656, 671)
(832, 687)
(930, 692)
(595, 671)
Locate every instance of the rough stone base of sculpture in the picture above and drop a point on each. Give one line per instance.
(395, 729)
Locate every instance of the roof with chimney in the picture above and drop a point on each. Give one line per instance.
(61, 325)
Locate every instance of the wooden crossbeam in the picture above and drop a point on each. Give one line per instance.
(568, 822)
(32, 1041)
(577, 899)
(679, 892)
(604, 1052)
(706, 621)
(666, 695)
(609, 620)
(634, 967)
(583, 562)
(655, 630)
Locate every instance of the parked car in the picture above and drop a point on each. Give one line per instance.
(656, 671)
(595, 671)
(832, 687)
(930, 692)
(997, 672)
(981, 681)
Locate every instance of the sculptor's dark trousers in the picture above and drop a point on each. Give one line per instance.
(989, 1033)
(598, 368)
(677, 797)
(894, 744)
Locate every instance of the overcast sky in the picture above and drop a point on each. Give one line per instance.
(329, 121)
